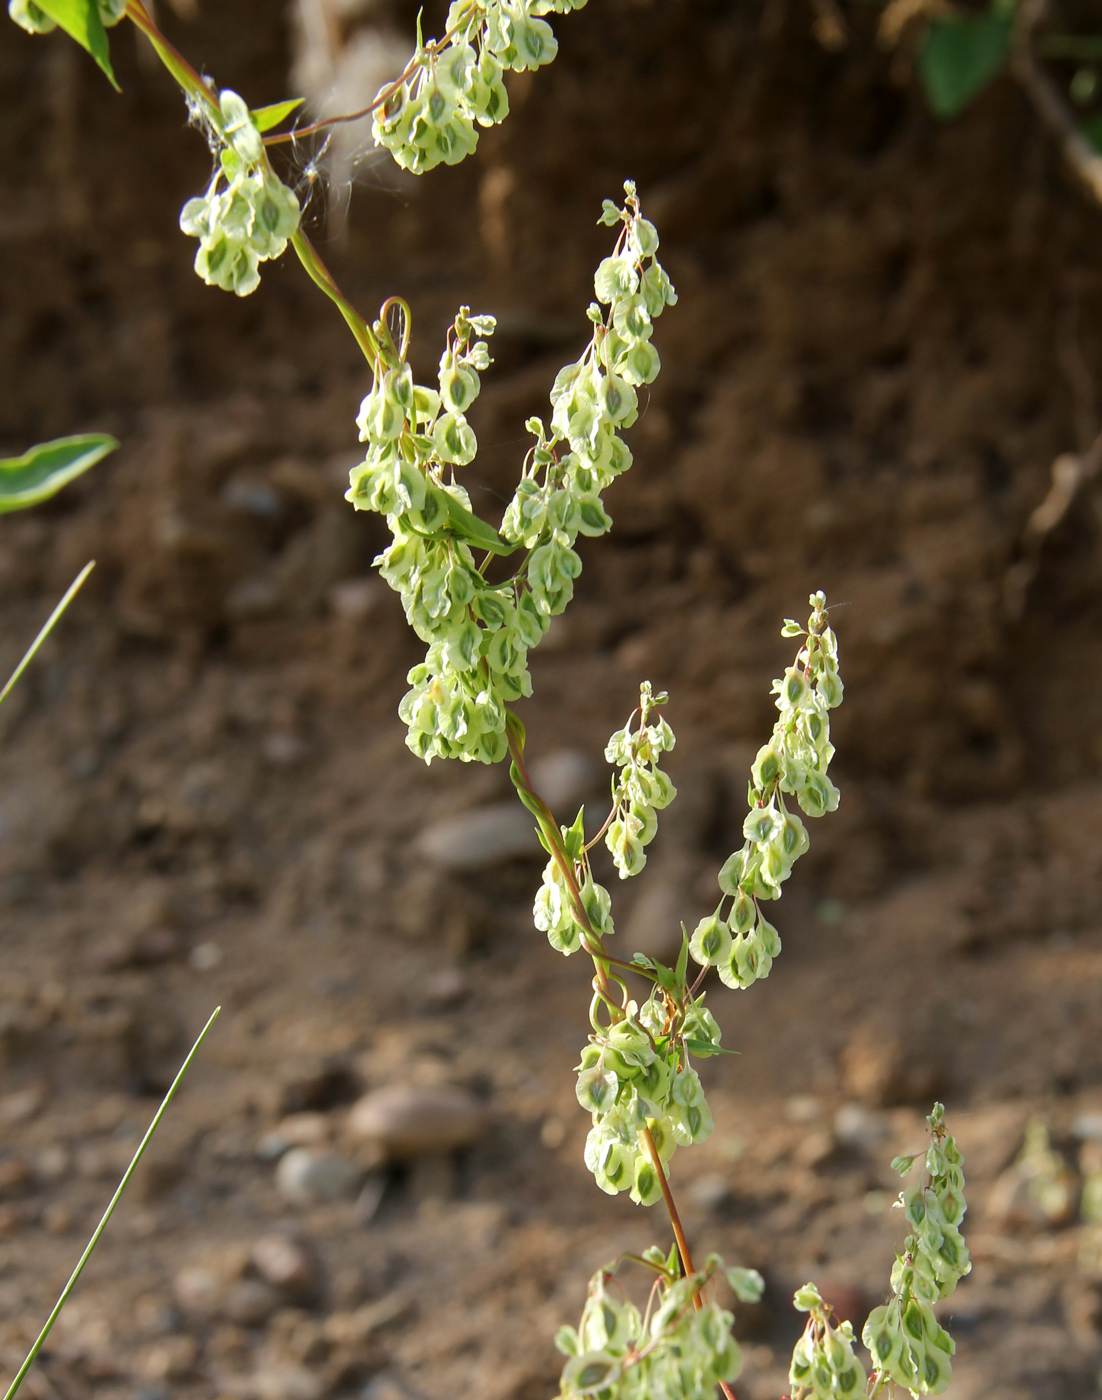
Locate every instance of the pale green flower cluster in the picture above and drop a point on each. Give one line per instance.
(35, 20)
(554, 914)
(823, 1364)
(451, 90)
(673, 1351)
(909, 1347)
(558, 496)
(636, 1075)
(743, 944)
(248, 219)
(479, 633)
(641, 790)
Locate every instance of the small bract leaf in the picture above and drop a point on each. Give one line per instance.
(264, 118)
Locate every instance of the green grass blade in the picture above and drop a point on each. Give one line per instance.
(33, 1353)
(47, 628)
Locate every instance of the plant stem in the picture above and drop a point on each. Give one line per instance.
(65, 1292)
(552, 835)
(549, 828)
(192, 83)
(671, 1207)
(190, 80)
(383, 98)
(323, 278)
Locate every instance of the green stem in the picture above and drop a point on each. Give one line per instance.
(67, 1290)
(549, 828)
(193, 84)
(323, 278)
(170, 55)
(553, 836)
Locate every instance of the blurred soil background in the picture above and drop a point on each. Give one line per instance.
(888, 332)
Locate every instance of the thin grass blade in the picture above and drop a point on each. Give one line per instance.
(51, 621)
(64, 1298)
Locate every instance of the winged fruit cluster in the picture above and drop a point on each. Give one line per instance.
(641, 789)
(907, 1343)
(479, 632)
(823, 1364)
(247, 214)
(743, 943)
(679, 1348)
(452, 88)
(35, 20)
(636, 1080)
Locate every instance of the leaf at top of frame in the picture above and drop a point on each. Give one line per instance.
(1092, 130)
(80, 19)
(959, 58)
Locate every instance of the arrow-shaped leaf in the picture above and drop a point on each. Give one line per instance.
(264, 118)
(470, 529)
(44, 470)
(80, 19)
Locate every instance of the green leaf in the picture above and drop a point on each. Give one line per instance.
(683, 959)
(666, 980)
(959, 58)
(1092, 130)
(575, 837)
(80, 20)
(705, 1048)
(44, 470)
(264, 118)
(470, 529)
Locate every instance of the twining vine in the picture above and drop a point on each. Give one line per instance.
(636, 1076)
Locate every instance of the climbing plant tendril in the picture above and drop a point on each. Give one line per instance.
(480, 596)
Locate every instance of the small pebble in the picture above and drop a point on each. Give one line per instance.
(306, 1129)
(858, 1127)
(205, 957)
(250, 1302)
(710, 1192)
(1088, 1127)
(286, 1263)
(354, 598)
(803, 1108)
(371, 1197)
(307, 1178)
(564, 778)
(172, 1359)
(552, 1133)
(15, 1176)
(447, 989)
(58, 1218)
(412, 1122)
(480, 838)
(23, 1105)
(286, 1383)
